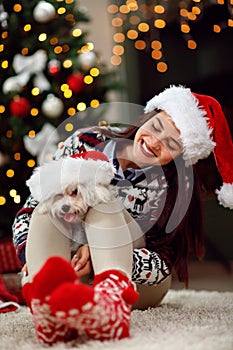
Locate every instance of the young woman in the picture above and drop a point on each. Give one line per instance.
(135, 241)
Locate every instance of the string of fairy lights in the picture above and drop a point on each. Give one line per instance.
(89, 68)
(132, 18)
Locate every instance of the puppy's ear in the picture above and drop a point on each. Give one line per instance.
(103, 193)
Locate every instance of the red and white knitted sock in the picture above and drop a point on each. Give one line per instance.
(101, 312)
(49, 329)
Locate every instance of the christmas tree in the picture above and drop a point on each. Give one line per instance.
(48, 72)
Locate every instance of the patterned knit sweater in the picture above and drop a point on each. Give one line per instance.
(142, 191)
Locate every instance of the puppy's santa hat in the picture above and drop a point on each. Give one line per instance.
(86, 169)
(203, 129)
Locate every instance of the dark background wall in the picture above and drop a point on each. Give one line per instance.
(206, 70)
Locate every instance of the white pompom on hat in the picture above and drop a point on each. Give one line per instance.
(52, 178)
(203, 129)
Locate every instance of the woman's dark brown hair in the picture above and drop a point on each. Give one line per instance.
(187, 236)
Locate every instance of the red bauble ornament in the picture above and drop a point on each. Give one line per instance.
(54, 67)
(76, 82)
(20, 107)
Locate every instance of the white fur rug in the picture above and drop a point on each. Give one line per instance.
(187, 320)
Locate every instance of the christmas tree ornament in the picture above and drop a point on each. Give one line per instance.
(25, 67)
(76, 82)
(52, 106)
(44, 144)
(3, 17)
(11, 84)
(44, 12)
(20, 107)
(87, 60)
(54, 67)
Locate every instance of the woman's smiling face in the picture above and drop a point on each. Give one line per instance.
(157, 141)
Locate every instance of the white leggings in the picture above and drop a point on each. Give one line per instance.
(112, 235)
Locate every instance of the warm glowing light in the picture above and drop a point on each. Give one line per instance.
(4, 35)
(24, 51)
(64, 87)
(162, 67)
(53, 41)
(116, 60)
(71, 111)
(124, 9)
(112, 8)
(9, 134)
(159, 9)
(230, 22)
(69, 127)
(5, 64)
(61, 10)
(159, 23)
(220, 2)
(10, 173)
(58, 49)
(156, 45)
(17, 199)
(143, 27)
(65, 48)
(17, 8)
(184, 12)
(185, 28)
(35, 91)
(42, 37)
(94, 103)
(81, 106)
(68, 93)
(192, 44)
(31, 163)
(216, 28)
(88, 79)
(118, 50)
(192, 16)
(67, 64)
(27, 27)
(117, 22)
(94, 72)
(132, 34)
(32, 134)
(17, 156)
(156, 55)
(119, 37)
(133, 6)
(77, 32)
(1, 47)
(13, 193)
(34, 112)
(2, 200)
(2, 109)
(196, 10)
(140, 44)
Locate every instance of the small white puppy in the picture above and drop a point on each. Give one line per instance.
(66, 188)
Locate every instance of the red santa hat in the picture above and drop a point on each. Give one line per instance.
(88, 168)
(203, 129)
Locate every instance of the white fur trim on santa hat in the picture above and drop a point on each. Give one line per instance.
(182, 106)
(54, 177)
(225, 195)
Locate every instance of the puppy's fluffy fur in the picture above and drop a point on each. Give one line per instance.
(73, 204)
(69, 186)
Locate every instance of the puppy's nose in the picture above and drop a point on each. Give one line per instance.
(65, 208)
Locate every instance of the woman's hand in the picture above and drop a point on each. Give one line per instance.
(81, 261)
(24, 270)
